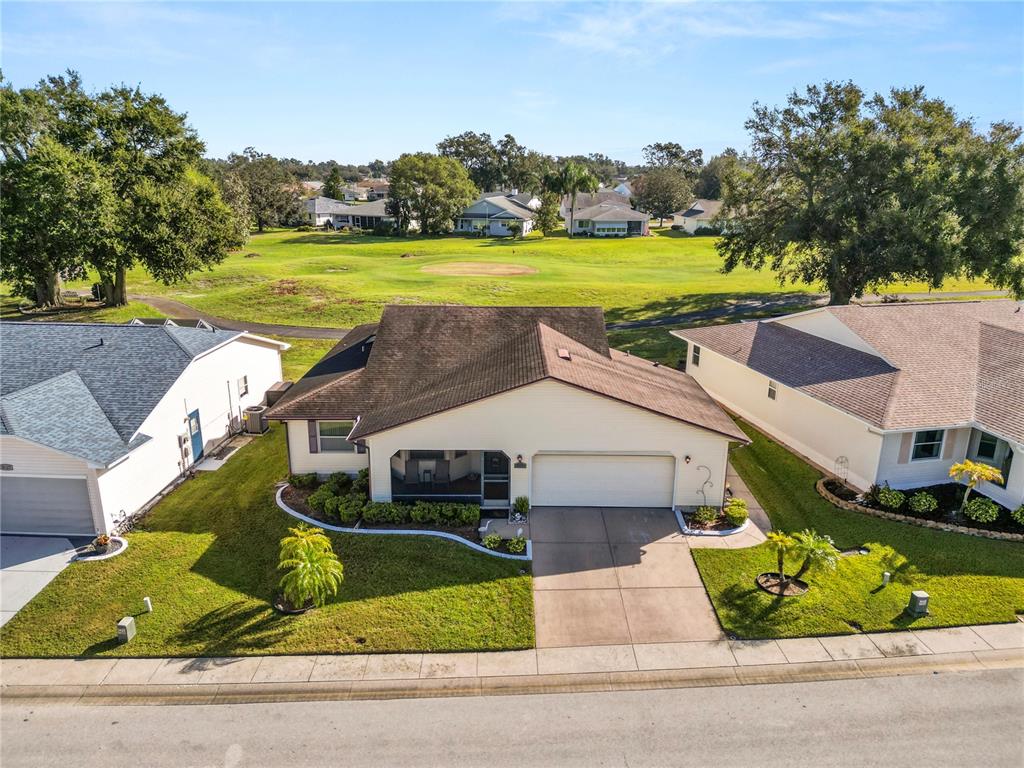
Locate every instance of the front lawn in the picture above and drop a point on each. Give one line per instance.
(208, 559)
(970, 580)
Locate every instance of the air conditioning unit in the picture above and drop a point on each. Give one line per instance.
(254, 420)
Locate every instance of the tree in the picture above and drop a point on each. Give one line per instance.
(713, 173)
(515, 228)
(661, 192)
(856, 193)
(571, 179)
(781, 544)
(669, 154)
(477, 154)
(377, 169)
(547, 219)
(273, 199)
(973, 472)
(816, 551)
(430, 188)
(332, 185)
(234, 193)
(56, 208)
(314, 572)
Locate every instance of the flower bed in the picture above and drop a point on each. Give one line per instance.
(845, 498)
(711, 521)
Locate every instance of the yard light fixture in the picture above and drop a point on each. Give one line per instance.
(687, 459)
(519, 458)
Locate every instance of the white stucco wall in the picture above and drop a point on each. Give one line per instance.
(808, 426)
(550, 417)
(301, 461)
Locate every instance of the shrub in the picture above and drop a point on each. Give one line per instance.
(341, 482)
(707, 231)
(491, 541)
(444, 513)
(872, 495)
(521, 506)
(304, 228)
(423, 512)
(386, 512)
(517, 545)
(307, 480)
(922, 503)
(317, 500)
(735, 511)
(469, 514)
(981, 510)
(362, 482)
(349, 507)
(890, 498)
(1018, 515)
(676, 227)
(313, 570)
(705, 515)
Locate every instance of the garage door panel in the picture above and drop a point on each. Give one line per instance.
(57, 505)
(581, 480)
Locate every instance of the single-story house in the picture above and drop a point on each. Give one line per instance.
(364, 215)
(623, 188)
(493, 212)
(609, 220)
(700, 213)
(882, 393)
(96, 420)
(590, 199)
(355, 193)
(486, 404)
(320, 211)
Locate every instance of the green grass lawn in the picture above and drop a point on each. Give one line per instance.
(328, 279)
(208, 555)
(79, 313)
(970, 580)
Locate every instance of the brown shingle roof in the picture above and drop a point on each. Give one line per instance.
(429, 359)
(938, 363)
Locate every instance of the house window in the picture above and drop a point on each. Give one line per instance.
(772, 391)
(927, 444)
(989, 449)
(695, 355)
(243, 386)
(333, 436)
(426, 454)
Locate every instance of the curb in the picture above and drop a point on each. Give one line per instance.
(604, 682)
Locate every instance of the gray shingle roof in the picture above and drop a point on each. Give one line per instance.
(701, 210)
(81, 387)
(609, 212)
(321, 204)
(510, 207)
(938, 363)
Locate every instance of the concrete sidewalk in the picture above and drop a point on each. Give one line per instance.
(721, 662)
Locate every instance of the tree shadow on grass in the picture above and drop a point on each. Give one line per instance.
(701, 307)
(238, 625)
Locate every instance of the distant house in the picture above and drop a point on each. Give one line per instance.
(588, 199)
(365, 216)
(97, 419)
(700, 213)
(322, 211)
(312, 186)
(623, 188)
(376, 189)
(354, 193)
(493, 212)
(609, 220)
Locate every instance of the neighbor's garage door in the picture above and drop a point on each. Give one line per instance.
(602, 481)
(57, 505)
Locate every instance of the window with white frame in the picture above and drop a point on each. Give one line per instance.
(695, 356)
(333, 436)
(243, 386)
(927, 444)
(772, 389)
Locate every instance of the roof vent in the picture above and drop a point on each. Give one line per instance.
(564, 354)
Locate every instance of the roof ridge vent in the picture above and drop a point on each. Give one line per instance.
(564, 353)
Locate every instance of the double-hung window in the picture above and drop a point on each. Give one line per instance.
(927, 444)
(333, 434)
(695, 356)
(772, 390)
(243, 386)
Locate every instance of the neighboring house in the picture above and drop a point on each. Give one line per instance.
(310, 187)
(485, 404)
(700, 213)
(379, 190)
(885, 393)
(493, 212)
(623, 188)
(98, 419)
(609, 220)
(355, 193)
(589, 199)
(364, 216)
(322, 211)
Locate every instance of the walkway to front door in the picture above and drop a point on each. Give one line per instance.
(615, 576)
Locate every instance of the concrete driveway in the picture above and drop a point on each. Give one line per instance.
(27, 564)
(613, 576)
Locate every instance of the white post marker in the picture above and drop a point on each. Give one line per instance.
(149, 604)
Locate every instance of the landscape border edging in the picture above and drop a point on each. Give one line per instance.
(830, 497)
(106, 556)
(688, 531)
(527, 556)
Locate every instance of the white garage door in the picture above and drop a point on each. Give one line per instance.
(56, 505)
(602, 481)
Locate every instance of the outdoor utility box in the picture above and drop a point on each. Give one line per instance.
(255, 419)
(126, 629)
(918, 603)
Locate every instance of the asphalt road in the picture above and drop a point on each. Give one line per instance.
(950, 719)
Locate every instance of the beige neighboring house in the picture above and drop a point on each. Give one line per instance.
(700, 213)
(493, 212)
(486, 404)
(610, 220)
(881, 393)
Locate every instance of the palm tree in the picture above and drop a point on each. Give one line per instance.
(975, 472)
(818, 552)
(314, 572)
(571, 179)
(781, 544)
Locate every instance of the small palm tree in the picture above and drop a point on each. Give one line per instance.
(314, 571)
(818, 552)
(571, 179)
(973, 472)
(781, 544)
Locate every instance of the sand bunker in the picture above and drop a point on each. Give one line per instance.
(478, 269)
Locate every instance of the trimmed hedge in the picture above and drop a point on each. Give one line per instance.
(735, 511)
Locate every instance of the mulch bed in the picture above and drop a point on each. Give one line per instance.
(721, 524)
(88, 553)
(283, 605)
(770, 583)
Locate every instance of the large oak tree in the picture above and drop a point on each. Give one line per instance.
(431, 189)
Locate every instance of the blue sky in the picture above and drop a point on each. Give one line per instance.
(355, 81)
